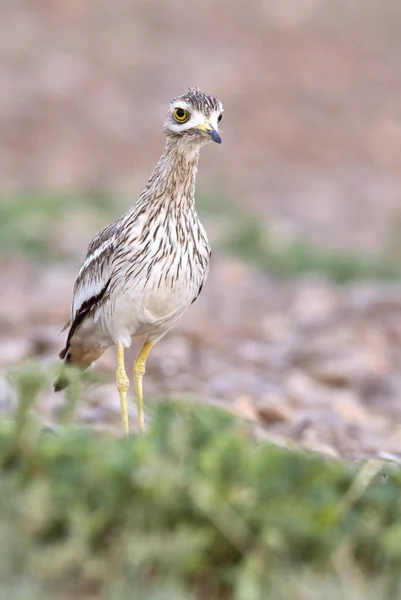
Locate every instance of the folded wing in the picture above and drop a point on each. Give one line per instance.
(93, 280)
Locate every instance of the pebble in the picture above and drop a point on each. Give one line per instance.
(274, 408)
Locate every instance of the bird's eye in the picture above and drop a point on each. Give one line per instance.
(181, 115)
(220, 117)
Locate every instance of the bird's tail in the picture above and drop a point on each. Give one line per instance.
(62, 380)
(79, 356)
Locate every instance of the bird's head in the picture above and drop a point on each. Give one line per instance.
(193, 119)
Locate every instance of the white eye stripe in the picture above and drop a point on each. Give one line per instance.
(196, 117)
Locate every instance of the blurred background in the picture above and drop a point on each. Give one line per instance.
(298, 329)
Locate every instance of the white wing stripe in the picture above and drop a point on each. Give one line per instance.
(91, 279)
(98, 252)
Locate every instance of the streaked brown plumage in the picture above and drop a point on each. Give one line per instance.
(143, 271)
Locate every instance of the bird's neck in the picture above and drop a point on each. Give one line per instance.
(173, 178)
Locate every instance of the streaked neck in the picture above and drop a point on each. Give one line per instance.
(173, 178)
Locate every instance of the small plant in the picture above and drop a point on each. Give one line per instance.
(28, 220)
(252, 239)
(27, 223)
(194, 508)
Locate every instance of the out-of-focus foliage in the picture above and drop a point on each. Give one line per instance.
(253, 242)
(195, 508)
(287, 255)
(39, 225)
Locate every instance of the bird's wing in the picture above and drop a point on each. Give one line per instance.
(95, 271)
(94, 277)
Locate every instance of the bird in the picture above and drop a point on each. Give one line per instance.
(143, 271)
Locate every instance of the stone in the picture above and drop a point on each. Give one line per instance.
(273, 408)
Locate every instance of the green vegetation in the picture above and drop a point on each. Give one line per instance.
(251, 241)
(37, 225)
(194, 508)
(32, 223)
(250, 238)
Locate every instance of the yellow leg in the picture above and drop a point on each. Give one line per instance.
(123, 385)
(139, 372)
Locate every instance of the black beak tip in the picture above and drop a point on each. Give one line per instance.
(216, 137)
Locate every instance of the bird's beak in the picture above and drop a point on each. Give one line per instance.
(207, 129)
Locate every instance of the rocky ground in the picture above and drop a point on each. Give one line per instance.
(304, 362)
(312, 145)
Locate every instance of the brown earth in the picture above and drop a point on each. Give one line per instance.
(312, 142)
(304, 362)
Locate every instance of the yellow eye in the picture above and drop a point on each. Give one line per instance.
(181, 115)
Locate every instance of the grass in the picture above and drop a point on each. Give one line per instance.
(28, 220)
(254, 240)
(299, 257)
(195, 508)
(31, 224)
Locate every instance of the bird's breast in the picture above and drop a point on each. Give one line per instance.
(174, 286)
(167, 270)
